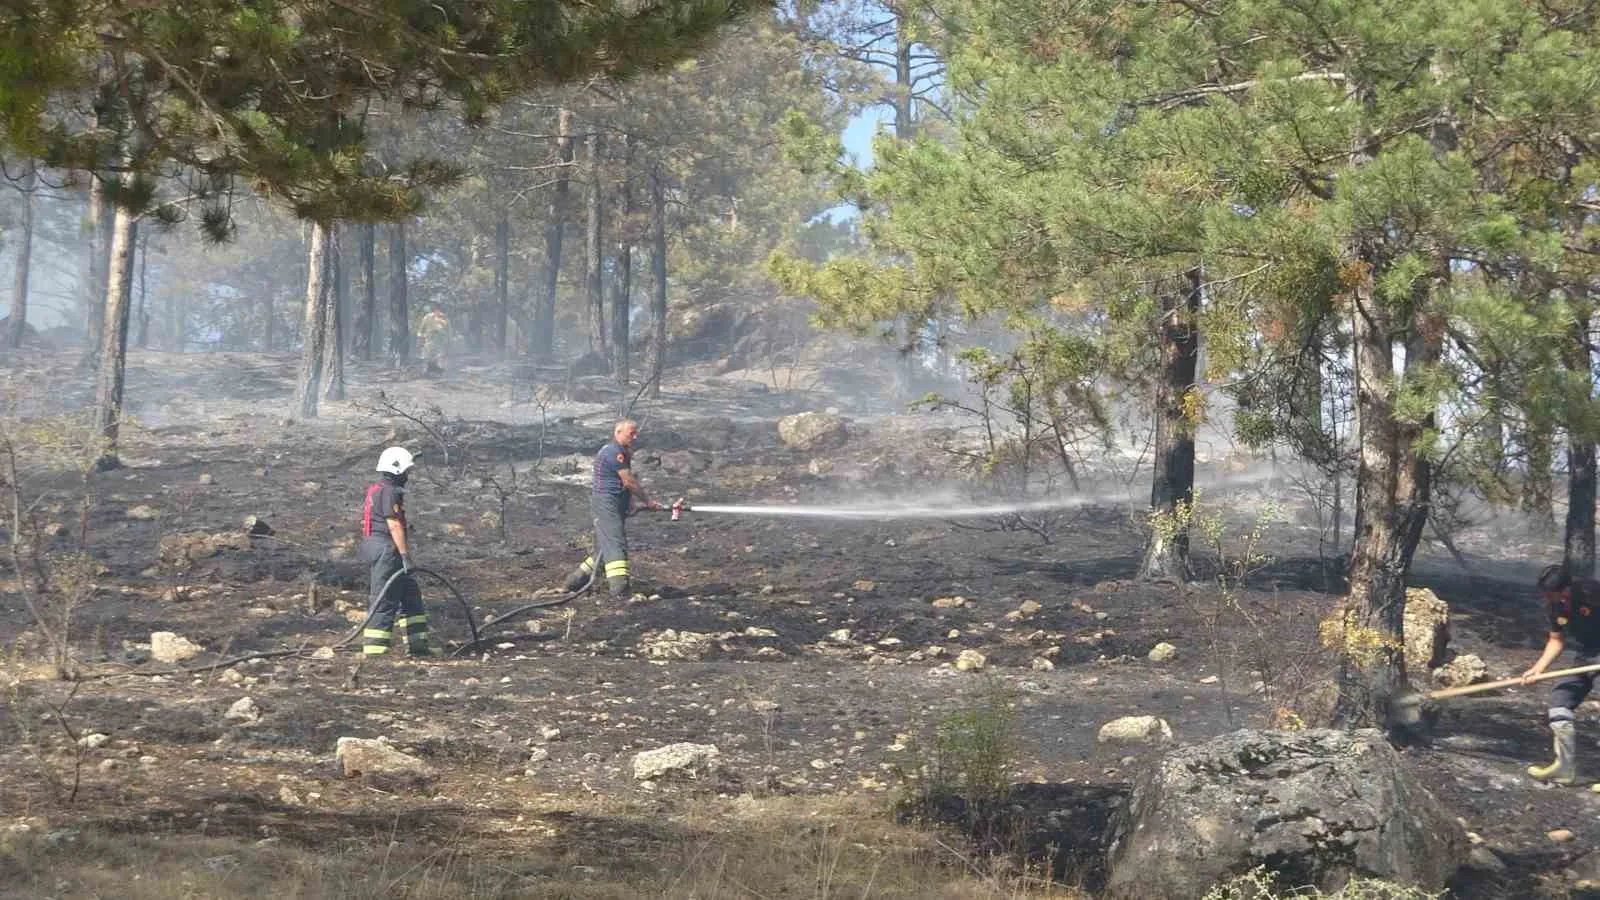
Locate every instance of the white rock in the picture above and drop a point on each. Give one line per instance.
(1425, 629)
(842, 636)
(364, 755)
(323, 653)
(949, 602)
(245, 710)
(143, 513)
(1135, 730)
(672, 644)
(683, 758)
(971, 661)
(93, 741)
(1210, 679)
(1029, 607)
(1040, 664)
(1461, 671)
(1163, 652)
(168, 647)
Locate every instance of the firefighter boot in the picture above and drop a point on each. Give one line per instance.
(1564, 769)
(579, 577)
(618, 585)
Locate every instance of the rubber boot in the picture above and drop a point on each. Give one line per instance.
(1564, 768)
(576, 581)
(618, 585)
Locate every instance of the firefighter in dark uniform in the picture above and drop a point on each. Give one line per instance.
(1574, 609)
(617, 493)
(386, 546)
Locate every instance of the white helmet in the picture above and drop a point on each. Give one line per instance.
(396, 460)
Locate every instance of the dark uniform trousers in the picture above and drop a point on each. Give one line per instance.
(610, 545)
(401, 608)
(1570, 691)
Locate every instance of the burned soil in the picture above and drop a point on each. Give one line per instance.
(819, 657)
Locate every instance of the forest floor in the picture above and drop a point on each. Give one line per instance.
(816, 655)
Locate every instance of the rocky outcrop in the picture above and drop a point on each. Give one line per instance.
(1315, 807)
(1426, 631)
(813, 431)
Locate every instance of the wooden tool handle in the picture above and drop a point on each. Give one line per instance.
(1508, 682)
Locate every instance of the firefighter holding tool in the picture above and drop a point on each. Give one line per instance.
(1574, 610)
(386, 546)
(617, 493)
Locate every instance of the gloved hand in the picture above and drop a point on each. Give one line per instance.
(405, 564)
(653, 505)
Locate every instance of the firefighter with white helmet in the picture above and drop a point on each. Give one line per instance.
(386, 546)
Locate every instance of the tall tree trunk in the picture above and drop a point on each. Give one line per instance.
(1172, 485)
(144, 290)
(114, 332)
(502, 280)
(361, 345)
(1538, 485)
(101, 224)
(594, 251)
(542, 343)
(622, 303)
(315, 328)
(178, 311)
(333, 340)
(474, 303)
(19, 296)
(904, 125)
(658, 271)
(269, 325)
(1393, 497)
(399, 315)
(1580, 459)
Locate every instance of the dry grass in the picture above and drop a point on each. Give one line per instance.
(792, 848)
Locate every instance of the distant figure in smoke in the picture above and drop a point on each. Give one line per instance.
(386, 546)
(615, 489)
(431, 332)
(1574, 609)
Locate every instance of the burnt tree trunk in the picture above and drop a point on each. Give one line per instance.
(315, 329)
(333, 387)
(594, 252)
(114, 335)
(366, 312)
(1172, 484)
(1393, 499)
(19, 296)
(542, 342)
(658, 271)
(399, 315)
(502, 281)
(1580, 460)
(622, 303)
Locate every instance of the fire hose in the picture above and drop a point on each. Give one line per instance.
(677, 509)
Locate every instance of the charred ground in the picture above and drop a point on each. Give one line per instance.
(811, 666)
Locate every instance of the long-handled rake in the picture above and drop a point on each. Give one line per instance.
(1406, 709)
